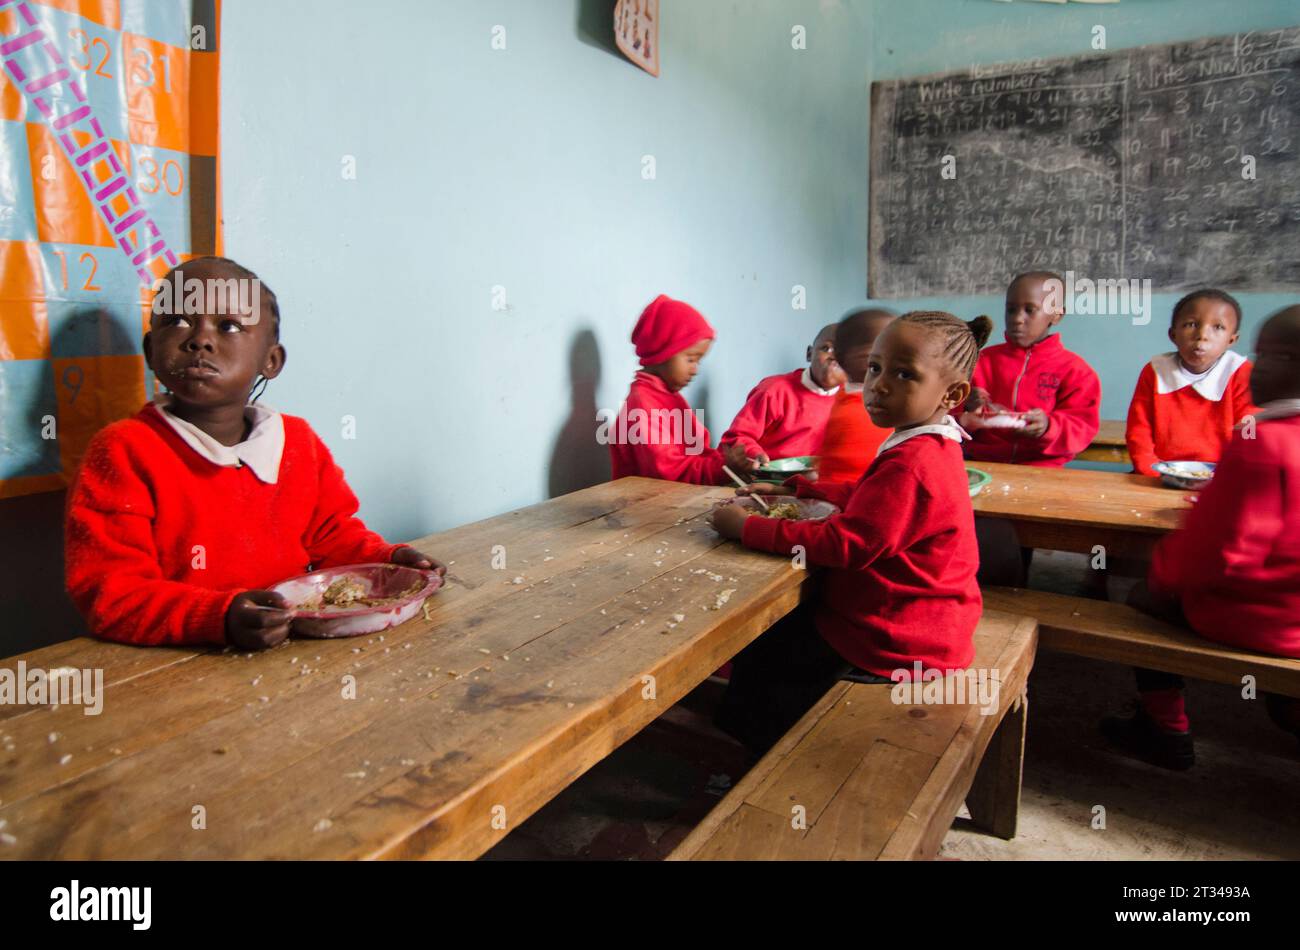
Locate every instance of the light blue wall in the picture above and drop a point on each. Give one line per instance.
(522, 168)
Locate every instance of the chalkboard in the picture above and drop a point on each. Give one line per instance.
(1133, 164)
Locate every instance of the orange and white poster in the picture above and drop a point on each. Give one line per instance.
(108, 178)
(636, 31)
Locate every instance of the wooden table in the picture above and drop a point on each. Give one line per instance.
(614, 603)
(1064, 509)
(1110, 445)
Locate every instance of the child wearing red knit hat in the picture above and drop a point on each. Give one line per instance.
(656, 433)
(182, 515)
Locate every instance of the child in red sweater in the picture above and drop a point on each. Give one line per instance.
(656, 433)
(785, 416)
(1033, 373)
(1187, 402)
(181, 516)
(1232, 571)
(852, 438)
(902, 557)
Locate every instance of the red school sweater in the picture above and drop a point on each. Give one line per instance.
(902, 558)
(849, 445)
(1183, 424)
(1044, 376)
(781, 418)
(1234, 565)
(159, 540)
(655, 436)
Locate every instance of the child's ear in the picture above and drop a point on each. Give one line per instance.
(1171, 336)
(956, 394)
(273, 365)
(148, 348)
(808, 356)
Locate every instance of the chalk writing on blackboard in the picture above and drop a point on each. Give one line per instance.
(1177, 163)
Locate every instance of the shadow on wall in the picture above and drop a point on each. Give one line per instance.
(578, 460)
(595, 25)
(35, 607)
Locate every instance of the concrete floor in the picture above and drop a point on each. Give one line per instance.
(1239, 801)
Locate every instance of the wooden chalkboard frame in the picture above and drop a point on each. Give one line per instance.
(1213, 244)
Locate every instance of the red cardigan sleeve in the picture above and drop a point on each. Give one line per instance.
(1139, 434)
(111, 565)
(837, 493)
(1073, 422)
(875, 524)
(751, 422)
(335, 535)
(1232, 529)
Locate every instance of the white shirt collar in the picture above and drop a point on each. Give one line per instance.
(1278, 409)
(852, 387)
(1172, 376)
(948, 428)
(811, 386)
(261, 451)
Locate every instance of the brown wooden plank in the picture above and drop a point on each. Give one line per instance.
(1109, 445)
(145, 711)
(994, 796)
(283, 764)
(1121, 634)
(853, 809)
(1099, 500)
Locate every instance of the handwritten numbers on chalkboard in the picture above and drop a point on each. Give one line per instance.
(73, 377)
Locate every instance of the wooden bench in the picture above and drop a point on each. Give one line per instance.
(1109, 445)
(863, 778)
(1122, 634)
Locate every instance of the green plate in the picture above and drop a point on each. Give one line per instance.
(778, 470)
(976, 479)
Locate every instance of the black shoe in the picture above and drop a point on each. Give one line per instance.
(1142, 738)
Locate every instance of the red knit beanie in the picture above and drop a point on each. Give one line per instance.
(666, 328)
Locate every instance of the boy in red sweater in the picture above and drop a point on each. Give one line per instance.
(1232, 571)
(852, 438)
(181, 516)
(1033, 373)
(785, 416)
(902, 557)
(656, 433)
(1187, 402)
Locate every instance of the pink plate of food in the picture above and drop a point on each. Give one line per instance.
(356, 600)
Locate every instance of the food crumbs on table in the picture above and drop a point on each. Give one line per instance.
(425, 605)
(723, 598)
(322, 825)
(569, 705)
(550, 683)
(484, 650)
(517, 580)
(264, 699)
(257, 679)
(293, 661)
(221, 750)
(66, 759)
(505, 656)
(53, 737)
(7, 839)
(679, 617)
(354, 774)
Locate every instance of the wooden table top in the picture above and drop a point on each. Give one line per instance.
(1112, 433)
(1066, 496)
(615, 601)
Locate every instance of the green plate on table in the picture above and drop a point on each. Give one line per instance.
(976, 479)
(778, 470)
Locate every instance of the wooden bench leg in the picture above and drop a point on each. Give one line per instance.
(994, 797)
